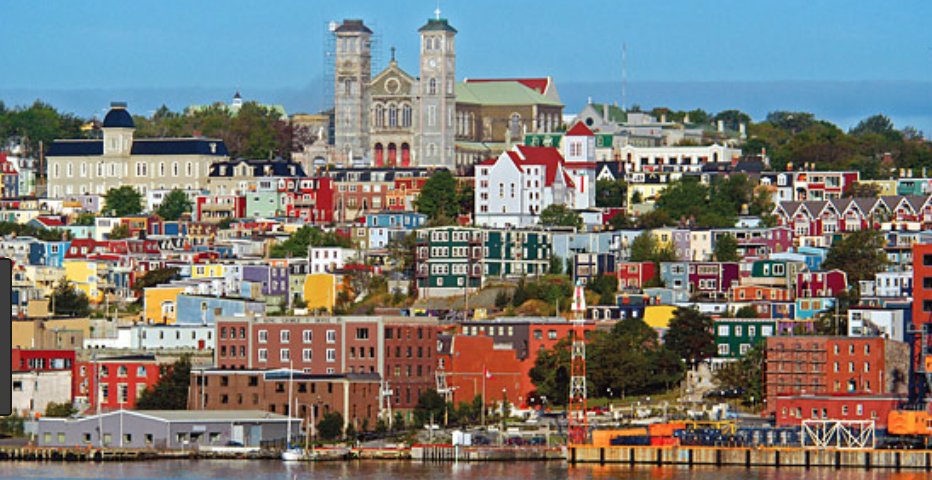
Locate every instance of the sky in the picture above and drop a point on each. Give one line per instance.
(173, 51)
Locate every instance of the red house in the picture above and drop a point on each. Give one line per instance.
(121, 380)
(635, 274)
(41, 360)
(821, 284)
(311, 200)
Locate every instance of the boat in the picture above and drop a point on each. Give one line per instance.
(298, 455)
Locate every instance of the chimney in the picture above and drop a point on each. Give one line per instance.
(743, 129)
(663, 118)
(605, 112)
(686, 118)
(721, 126)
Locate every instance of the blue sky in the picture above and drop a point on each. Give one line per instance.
(57, 46)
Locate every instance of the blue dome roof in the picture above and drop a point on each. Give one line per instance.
(118, 117)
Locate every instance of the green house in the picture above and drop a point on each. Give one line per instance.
(735, 336)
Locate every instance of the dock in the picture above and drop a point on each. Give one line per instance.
(85, 454)
(753, 457)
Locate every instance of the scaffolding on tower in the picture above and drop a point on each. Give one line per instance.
(578, 425)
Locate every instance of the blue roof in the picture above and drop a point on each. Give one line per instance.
(169, 146)
(279, 168)
(118, 117)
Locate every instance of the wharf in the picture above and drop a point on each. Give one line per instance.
(449, 453)
(84, 454)
(750, 456)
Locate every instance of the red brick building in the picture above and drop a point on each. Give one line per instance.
(354, 396)
(922, 307)
(846, 367)
(122, 380)
(26, 360)
(402, 350)
(792, 410)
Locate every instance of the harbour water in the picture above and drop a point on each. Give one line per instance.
(268, 470)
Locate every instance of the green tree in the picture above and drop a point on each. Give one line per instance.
(38, 125)
(877, 125)
(726, 248)
(745, 374)
(429, 403)
(123, 201)
(69, 301)
(557, 215)
(862, 190)
(732, 118)
(551, 373)
(690, 335)
(171, 391)
(330, 426)
(438, 197)
(154, 278)
(174, 205)
(302, 239)
(84, 219)
(606, 286)
(556, 265)
(747, 311)
(60, 410)
(119, 232)
(859, 254)
(610, 193)
(646, 248)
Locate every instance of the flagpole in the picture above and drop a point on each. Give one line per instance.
(484, 374)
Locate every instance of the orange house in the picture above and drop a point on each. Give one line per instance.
(750, 293)
(475, 366)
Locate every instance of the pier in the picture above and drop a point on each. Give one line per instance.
(753, 457)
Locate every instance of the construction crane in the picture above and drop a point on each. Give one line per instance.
(577, 423)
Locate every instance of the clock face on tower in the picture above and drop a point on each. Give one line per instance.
(432, 63)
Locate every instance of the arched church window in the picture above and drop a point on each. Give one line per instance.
(406, 115)
(392, 116)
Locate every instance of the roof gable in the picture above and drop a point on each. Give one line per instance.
(580, 130)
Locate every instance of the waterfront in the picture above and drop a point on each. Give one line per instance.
(267, 470)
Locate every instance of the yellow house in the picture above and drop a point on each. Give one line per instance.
(658, 316)
(85, 275)
(320, 291)
(38, 333)
(210, 270)
(664, 236)
(159, 303)
(887, 188)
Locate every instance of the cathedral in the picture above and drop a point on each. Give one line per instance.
(394, 118)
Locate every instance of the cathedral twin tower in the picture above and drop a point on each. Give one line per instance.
(394, 119)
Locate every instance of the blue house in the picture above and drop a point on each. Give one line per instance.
(809, 308)
(201, 310)
(403, 220)
(48, 254)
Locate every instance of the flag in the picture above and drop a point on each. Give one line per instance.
(488, 374)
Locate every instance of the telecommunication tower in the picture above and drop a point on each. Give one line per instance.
(576, 412)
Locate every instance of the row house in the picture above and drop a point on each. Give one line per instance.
(734, 337)
(821, 284)
(246, 176)
(703, 279)
(888, 285)
(680, 159)
(451, 260)
(635, 275)
(219, 208)
(774, 273)
(308, 199)
(402, 198)
(358, 191)
(758, 243)
(588, 266)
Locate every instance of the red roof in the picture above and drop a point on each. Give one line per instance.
(50, 221)
(539, 84)
(548, 157)
(580, 130)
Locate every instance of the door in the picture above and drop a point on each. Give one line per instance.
(237, 434)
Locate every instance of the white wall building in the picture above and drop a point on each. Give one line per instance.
(329, 259)
(33, 391)
(873, 322)
(675, 159)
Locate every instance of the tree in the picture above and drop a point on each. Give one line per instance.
(726, 248)
(646, 248)
(745, 374)
(60, 410)
(123, 201)
(747, 311)
(438, 197)
(606, 286)
(171, 391)
(330, 426)
(557, 215)
(119, 232)
(862, 190)
(556, 265)
(302, 239)
(429, 403)
(610, 193)
(859, 254)
(877, 125)
(174, 205)
(154, 278)
(551, 372)
(85, 219)
(69, 301)
(690, 335)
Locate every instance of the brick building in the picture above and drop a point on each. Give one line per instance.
(793, 409)
(802, 366)
(354, 396)
(922, 309)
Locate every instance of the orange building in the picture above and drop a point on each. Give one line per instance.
(749, 293)
(922, 309)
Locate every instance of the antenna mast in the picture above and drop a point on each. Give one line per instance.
(578, 425)
(624, 76)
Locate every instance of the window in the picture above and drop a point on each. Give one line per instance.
(284, 354)
(723, 330)
(306, 355)
(140, 371)
(552, 334)
(263, 336)
(331, 336)
(362, 334)
(723, 349)
(263, 355)
(307, 336)
(285, 336)
(122, 371)
(331, 355)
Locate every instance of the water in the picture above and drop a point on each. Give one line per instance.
(267, 470)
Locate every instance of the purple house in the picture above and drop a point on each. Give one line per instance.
(713, 279)
(274, 279)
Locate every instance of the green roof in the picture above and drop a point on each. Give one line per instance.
(501, 93)
(437, 25)
(615, 113)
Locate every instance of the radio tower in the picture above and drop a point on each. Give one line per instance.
(576, 412)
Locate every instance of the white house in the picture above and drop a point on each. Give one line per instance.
(329, 259)
(33, 391)
(675, 159)
(514, 188)
(871, 322)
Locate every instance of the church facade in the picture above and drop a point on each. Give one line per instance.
(394, 118)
